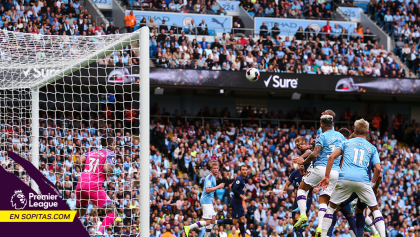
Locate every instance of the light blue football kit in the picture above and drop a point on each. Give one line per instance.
(209, 182)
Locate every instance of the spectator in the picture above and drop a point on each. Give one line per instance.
(326, 30)
(263, 30)
(203, 30)
(111, 29)
(299, 34)
(309, 32)
(153, 26)
(276, 31)
(130, 21)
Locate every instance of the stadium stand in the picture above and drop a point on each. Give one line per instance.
(182, 145)
(337, 53)
(400, 20)
(289, 9)
(181, 148)
(49, 18)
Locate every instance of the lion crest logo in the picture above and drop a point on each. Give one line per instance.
(18, 200)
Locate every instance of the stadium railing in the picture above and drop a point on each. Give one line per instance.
(146, 8)
(249, 122)
(238, 32)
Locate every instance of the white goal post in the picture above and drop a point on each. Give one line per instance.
(40, 73)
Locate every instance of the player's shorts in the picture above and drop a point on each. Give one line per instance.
(315, 175)
(361, 205)
(350, 203)
(349, 200)
(208, 211)
(237, 209)
(96, 196)
(309, 167)
(345, 188)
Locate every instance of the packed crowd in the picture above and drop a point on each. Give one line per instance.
(181, 6)
(268, 151)
(297, 9)
(325, 53)
(50, 18)
(180, 151)
(401, 21)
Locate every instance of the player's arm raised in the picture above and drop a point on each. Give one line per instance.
(80, 160)
(299, 160)
(209, 190)
(306, 154)
(108, 168)
(326, 180)
(285, 186)
(305, 147)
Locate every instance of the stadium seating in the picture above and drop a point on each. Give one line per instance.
(400, 21)
(177, 161)
(296, 53)
(178, 156)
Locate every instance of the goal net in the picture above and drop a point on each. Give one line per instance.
(59, 95)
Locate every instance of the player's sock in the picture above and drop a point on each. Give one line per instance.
(209, 228)
(322, 210)
(198, 224)
(299, 233)
(327, 219)
(352, 225)
(224, 222)
(369, 223)
(360, 224)
(242, 229)
(379, 222)
(301, 201)
(109, 219)
(334, 220)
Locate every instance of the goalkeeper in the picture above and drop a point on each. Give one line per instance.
(97, 164)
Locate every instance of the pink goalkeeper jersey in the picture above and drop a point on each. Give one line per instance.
(93, 176)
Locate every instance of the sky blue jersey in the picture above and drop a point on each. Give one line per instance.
(209, 182)
(319, 132)
(358, 154)
(328, 141)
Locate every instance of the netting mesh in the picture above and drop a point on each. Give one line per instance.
(29, 58)
(99, 98)
(15, 134)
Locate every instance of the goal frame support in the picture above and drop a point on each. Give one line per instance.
(35, 133)
(144, 131)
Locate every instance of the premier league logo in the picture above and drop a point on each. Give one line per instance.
(18, 200)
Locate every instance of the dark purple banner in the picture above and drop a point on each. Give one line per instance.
(26, 213)
(103, 75)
